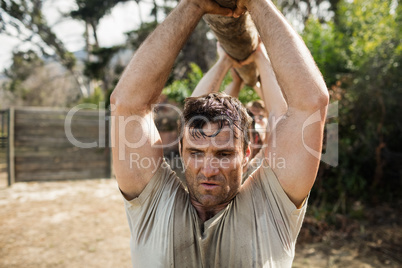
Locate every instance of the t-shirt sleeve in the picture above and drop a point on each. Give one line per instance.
(155, 203)
(285, 215)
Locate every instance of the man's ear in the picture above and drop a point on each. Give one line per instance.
(181, 156)
(247, 155)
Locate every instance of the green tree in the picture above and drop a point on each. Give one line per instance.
(91, 12)
(178, 90)
(24, 20)
(20, 70)
(34, 82)
(365, 25)
(98, 58)
(360, 56)
(28, 15)
(326, 46)
(304, 9)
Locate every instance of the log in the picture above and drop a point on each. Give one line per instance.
(238, 37)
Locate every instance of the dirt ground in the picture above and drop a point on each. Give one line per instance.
(83, 224)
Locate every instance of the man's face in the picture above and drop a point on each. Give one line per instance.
(261, 121)
(213, 165)
(260, 116)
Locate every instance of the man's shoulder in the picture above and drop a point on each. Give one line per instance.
(164, 184)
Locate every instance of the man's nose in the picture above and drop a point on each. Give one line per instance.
(210, 167)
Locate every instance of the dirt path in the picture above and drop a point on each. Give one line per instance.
(83, 224)
(63, 224)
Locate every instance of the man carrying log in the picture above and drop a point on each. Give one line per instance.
(217, 221)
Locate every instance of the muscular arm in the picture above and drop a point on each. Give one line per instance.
(306, 95)
(257, 89)
(270, 91)
(134, 135)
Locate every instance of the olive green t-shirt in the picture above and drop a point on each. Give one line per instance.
(258, 228)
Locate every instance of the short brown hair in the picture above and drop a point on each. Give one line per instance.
(258, 104)
(217, 108)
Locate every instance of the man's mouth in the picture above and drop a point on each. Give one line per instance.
(209, 185)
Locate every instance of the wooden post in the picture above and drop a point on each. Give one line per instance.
(108, 147)
(11, 151)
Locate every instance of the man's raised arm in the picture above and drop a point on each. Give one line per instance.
(269, 92)
(233, 89)
(135, 139)
(306, 95)
(212, 80)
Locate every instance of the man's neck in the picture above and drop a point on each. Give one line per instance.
(206, 213)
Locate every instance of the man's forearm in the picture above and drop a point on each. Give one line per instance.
(147, 72)
(212, 80)
(271, 92)
(294, 66)
(233, 89)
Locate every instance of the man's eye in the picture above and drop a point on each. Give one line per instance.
(194, 153)
(225, 154)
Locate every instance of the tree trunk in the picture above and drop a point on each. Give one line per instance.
(238, 37)
(87, 43)
(94, 25)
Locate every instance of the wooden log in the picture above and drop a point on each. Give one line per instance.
(238, 37)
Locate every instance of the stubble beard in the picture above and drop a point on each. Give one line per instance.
(206, 199)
